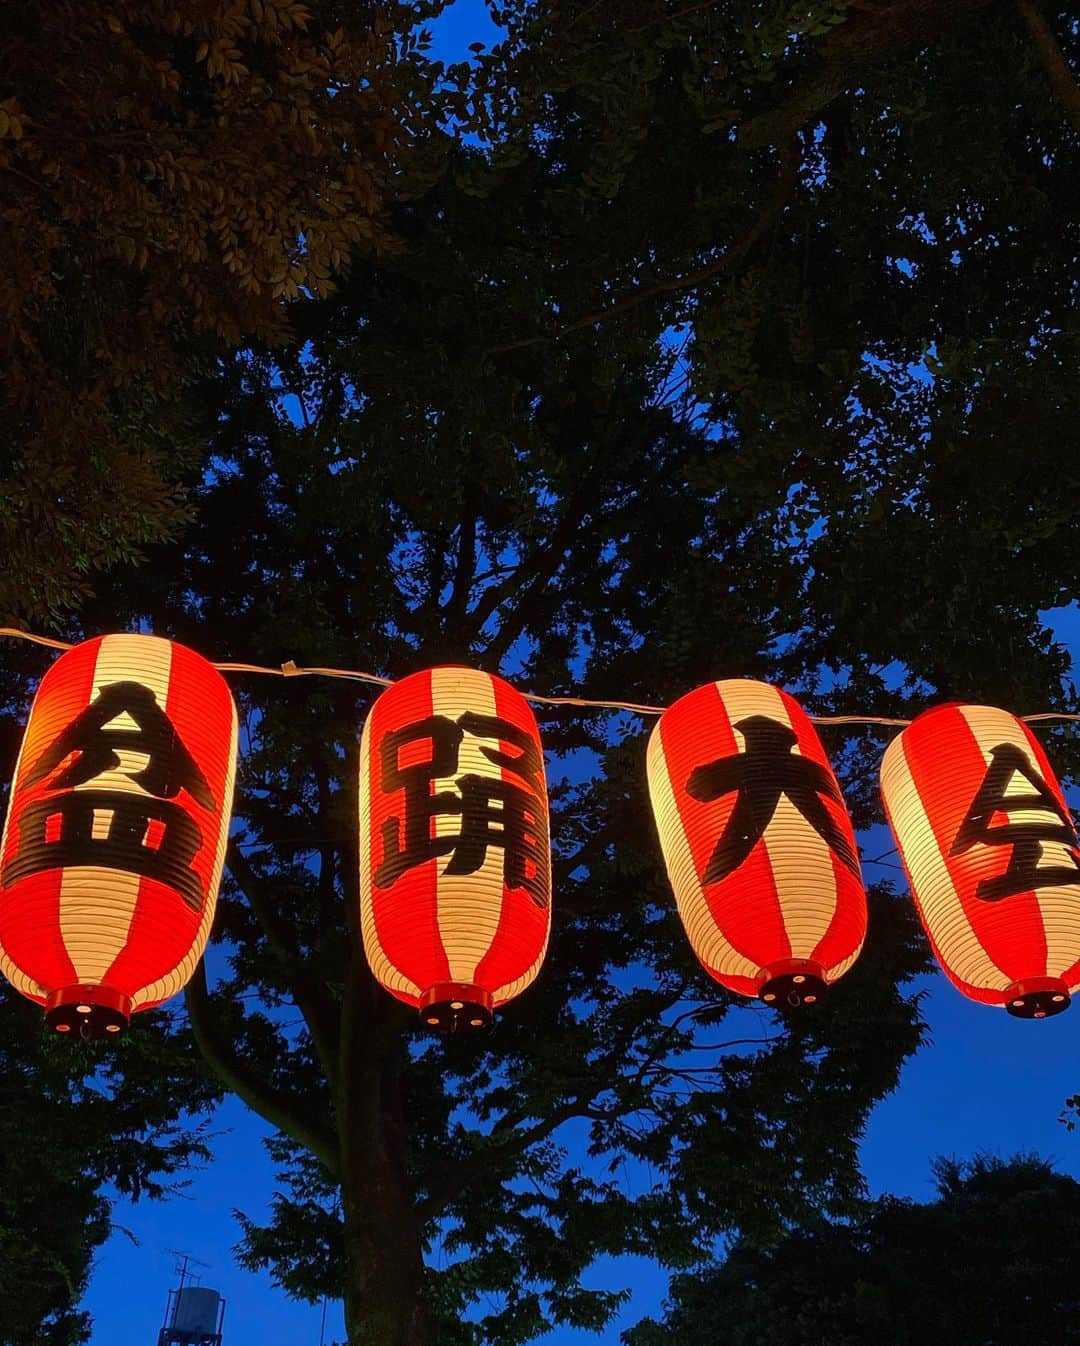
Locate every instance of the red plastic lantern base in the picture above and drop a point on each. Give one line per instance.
(452, 1006)
(1037, 998)
(792, 983)
(88, 1011)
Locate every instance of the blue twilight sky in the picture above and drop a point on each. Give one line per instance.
(986, 1083)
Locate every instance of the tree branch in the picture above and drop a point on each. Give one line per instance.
(309, 994)
(506, 1141)
(545, 558)
(1062, 82)
(524, 609)
(719, 265)
(274, 1105)
(869, 36)
(489, 1157)
(465, 567)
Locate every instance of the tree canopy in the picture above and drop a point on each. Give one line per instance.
(707, 341)
(170, 176)
(990, 1261)
(70, 1124)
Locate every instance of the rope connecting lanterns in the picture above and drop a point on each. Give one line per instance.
(455, 863)
(758, 843)
(119, 814)
(116, 830)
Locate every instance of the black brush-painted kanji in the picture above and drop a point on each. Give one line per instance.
(493, 811)
(1024, 872)
(145, 834)
(767, 769)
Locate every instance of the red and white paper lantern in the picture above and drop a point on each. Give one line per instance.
(991, 854)
(116, 830)
(455, 866)
(757, 840)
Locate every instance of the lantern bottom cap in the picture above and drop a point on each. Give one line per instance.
(793, 983)
(88, 1011)
(453, 1006)
(1037, 998)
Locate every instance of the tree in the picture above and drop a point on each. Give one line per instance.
(630, 409)
(393, 1143)
(170, 176)
(990, 1261)
(71, 1122)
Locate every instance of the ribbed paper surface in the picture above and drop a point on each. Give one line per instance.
(116, 833)
(755, 835)
(455, 869)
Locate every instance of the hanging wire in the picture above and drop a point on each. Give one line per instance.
(290, 669)
(37, 640)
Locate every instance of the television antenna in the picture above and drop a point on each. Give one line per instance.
(183, 1261)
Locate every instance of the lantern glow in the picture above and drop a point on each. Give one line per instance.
(116, 830)
(455, 868)
(991, 855)
(757, 841)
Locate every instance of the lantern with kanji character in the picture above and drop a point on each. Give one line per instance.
(757, 840)
(116, 830)
(991, 854)
(455, 867)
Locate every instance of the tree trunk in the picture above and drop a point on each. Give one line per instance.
(384, 1267)
(384, 1258)
(383, 1263)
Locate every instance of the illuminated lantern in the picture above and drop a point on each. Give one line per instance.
(757, 841)
(455, 864)
(991, 855)
(116, 830)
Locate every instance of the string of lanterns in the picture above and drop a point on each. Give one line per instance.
(119, 814)
(290, 669)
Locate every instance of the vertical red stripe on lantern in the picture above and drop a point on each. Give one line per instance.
(166, 933)
(991, 855)
(1012, 935)
(33, 955)
(697, 730)
(758, 845)
(404, 929)
(1061, 914)
(521, 938)
(455, 863)
(843, 940)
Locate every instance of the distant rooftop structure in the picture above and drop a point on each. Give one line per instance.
(194, 1315)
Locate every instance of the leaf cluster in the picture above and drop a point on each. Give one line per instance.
(75, 1123)
(170, 176)
(990, 1260)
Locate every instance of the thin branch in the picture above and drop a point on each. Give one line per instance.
(1062, 82)
(506, 1141)
(675, 15)
(465, 566)
(525, 608)
(490, 1157)
(544, 560)
(310, 996)
(651, 1060)
(719, 265)
(660, 1068)
(869, 36)
(274, 1105)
